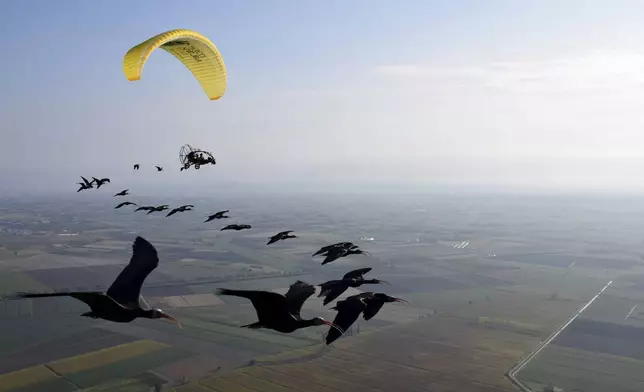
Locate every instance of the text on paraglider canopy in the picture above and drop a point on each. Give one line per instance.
(195, 53)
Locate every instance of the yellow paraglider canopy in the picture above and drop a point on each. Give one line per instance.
(194, 50)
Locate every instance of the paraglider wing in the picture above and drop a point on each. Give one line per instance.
(194, 50)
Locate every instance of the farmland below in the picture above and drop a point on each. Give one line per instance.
(487, 278)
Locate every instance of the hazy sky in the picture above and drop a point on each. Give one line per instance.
(546, 94)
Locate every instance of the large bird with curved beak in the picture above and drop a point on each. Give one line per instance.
(326, 249)
(122, 302)
(349, 310)
(85, 184)
(282, 235)
(334, 288)
(336, 253)
(183, 208)
(158, 208)
(217, 215)
(100, 181)
(281, 312)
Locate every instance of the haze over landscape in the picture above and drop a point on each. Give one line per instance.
(419, 94)
(486, 155)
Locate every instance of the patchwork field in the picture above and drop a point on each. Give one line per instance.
(436, 353)
(92, 368)
(599, 351)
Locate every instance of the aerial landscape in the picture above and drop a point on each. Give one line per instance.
(474, 311)
(321, 196)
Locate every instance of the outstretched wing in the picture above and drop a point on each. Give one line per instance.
(335, 291)
(334, 254)
(326, 287)
(126, 289)
(296, 295)
(373, 307)
(357, 274)
(348, 312)
(86, 182)
(267, 304)
(94, 299)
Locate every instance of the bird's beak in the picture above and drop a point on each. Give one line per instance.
(383, 281)
(366, 253)
(400, 300)
(330, 324)
(172, 319)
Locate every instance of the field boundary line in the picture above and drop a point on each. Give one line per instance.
(61, 376)
(512, 373)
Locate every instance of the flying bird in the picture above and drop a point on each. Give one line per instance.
(159, 168)
(334, 288)
(337, 253)
(85, 184)
(125, 203)
(158, 208)
(344, 245)
(217, 215)
(122, 193)
(136, 166)
(100, 182)
(122, 302)
(88, 184)
(349, 310)
(280, 236)
(236, 227)
(280, 312)
(83, 187)
(187, 207)
(145, 208)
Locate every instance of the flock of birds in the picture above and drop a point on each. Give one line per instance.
(123, 302)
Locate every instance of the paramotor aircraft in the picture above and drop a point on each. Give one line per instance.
(189, 156)
(194, 50)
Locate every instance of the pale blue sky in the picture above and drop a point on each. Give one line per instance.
(429, 93)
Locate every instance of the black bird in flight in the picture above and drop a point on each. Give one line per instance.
(334, 288)
(159, 168)
(349, 310)
(236, 227)
(280, 312)
(337, 253)
(136, 166)
(158, 208)
(85, 184)
(122, 193)
(218, 215)
(100, 182)
(122, 302)
(187, 207)
(83, 187)
(282, 235)
(125, 203)
(326, 249)
(145, 208)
